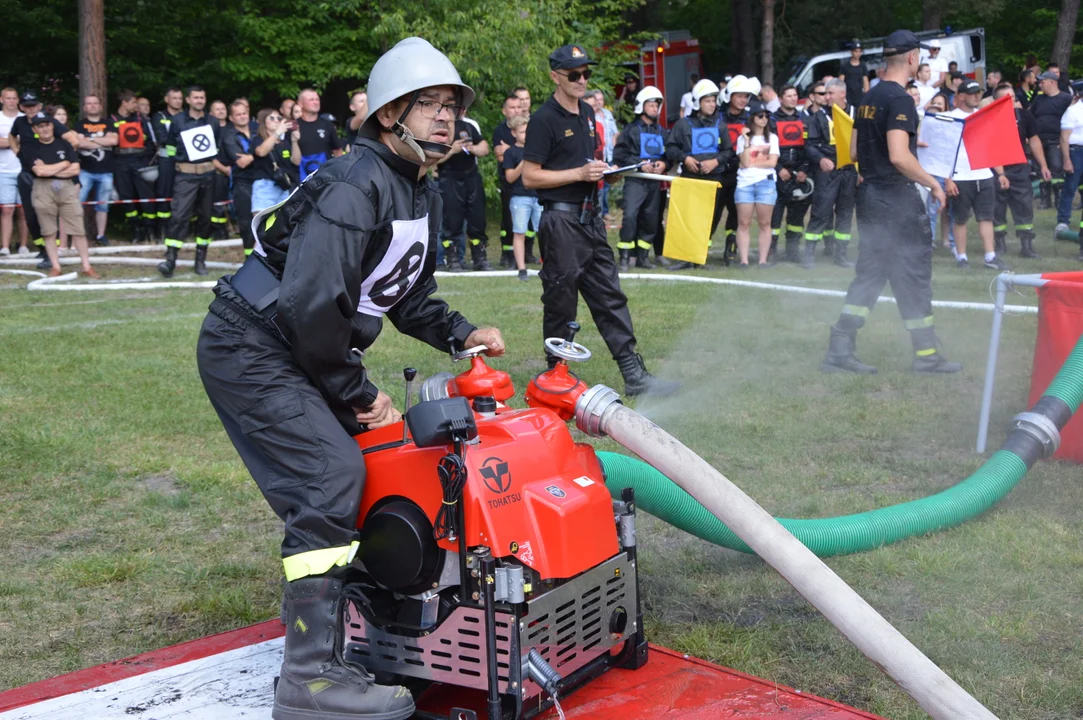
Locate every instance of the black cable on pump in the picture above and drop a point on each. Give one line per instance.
(452, 472)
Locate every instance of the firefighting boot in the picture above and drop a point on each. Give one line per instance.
(201, 260)
(167, 267)
(315, 680)
(625, 259)
(793, 249)
(477, 256)
(829, 244)
(772, 253)
(1026, 242)
(1000, 242)
(809, 260)
(841, 354)
(637, 381)
(840, 255)
(927, 357)
(1045, 196)
(643, 259)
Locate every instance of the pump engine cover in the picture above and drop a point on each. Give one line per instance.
(398, 549)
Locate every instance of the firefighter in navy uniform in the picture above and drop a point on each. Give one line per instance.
(196, 138)
(1020, 194)
(133, 152)
(833, 199)
(160, 123)
(741, 100)
(578, 259)
(793, 169)
(896, 240)
(280, 357)
(700, 146)
(641, 141)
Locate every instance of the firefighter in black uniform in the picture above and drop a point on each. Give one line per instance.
(1020, 195)
(280, 357)
(502, 140)
(896, 240)
(741, 96)
(1048, 107)
(195, 138)
(134, 151)
(642, 141)
(464, 197)
(793, 170)
(834, 195)
(160, 123)
(700, 146)
(557, 162)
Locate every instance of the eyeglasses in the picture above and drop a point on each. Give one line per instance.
(432, 109)
(274, 118)
(575, 75)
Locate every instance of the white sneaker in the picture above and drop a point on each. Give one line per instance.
(4, 252)
(1061, 227)
(24, 250)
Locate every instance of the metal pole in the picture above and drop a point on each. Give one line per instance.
(1003, 281)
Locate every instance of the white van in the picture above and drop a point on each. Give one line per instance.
(966, 47)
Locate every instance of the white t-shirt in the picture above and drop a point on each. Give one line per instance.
(1073, 120)
(937, 67)
(686, 104)
(925, 94)
(962, 160)
(9, 162)
(752, 175)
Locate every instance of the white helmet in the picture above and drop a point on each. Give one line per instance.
(741, 84)
(701, 90)
(406, 69)
(648, 93)
(803, 190)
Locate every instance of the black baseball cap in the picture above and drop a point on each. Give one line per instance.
(971, 87)
(568, 57)
(855, 44)
(1049, 75)
(29, 98)
(901, 41)
(40, 119)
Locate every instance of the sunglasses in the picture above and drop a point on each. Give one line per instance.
(818, 92)
(761, 114)
(274, 118)
(575, 75)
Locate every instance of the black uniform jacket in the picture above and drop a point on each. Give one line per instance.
(356, 241)
(679, 145)
(629, 149)
(821, 140)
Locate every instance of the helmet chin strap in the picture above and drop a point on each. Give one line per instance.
(408, 138)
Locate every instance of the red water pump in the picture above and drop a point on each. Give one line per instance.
(492, 556)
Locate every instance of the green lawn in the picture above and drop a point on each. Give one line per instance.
(128, 522)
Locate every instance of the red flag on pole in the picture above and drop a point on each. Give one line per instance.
(991, 136)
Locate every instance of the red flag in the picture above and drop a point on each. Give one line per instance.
(991, 136)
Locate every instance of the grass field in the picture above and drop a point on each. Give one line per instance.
(127, 521)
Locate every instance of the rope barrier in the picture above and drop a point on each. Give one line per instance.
(120, 202)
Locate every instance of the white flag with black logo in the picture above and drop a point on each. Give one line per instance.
(199, 143)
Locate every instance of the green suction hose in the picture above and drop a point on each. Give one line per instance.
(1028, 442)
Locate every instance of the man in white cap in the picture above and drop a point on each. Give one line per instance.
(938, 66)
(280, 357)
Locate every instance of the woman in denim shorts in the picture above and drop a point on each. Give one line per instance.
(758, 150)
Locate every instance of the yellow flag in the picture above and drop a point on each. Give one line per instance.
(688, 226)
(844, 126)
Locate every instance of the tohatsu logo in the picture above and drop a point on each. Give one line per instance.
(497, 478)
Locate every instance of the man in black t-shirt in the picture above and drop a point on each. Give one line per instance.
(22, 140)
(97, 139)
(464, 198)
(1047, 108)
(896, 240)
(238, 142)
(855, 74)
(558, 164)
(1020, 194)
(502, 140)
(319, 139)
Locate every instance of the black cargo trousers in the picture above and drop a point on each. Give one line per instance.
(305, 463)
(578, 259)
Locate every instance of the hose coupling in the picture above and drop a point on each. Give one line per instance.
(1040, 428)
(592, 408)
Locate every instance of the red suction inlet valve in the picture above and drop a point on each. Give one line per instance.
(558, 388)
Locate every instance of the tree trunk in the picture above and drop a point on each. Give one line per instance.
(932, 14)
(92, 73)
(1062, 44)
(744, 35)
(767, 42)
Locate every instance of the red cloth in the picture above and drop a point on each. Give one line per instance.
(1060, 325)
(991, 136)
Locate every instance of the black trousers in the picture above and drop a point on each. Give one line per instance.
(191, 194)
(1020, 198)
(794, 211)
(307, 466)
(26, 187)
(219, 206)
(578, 259)
(505, 216)
(163, 187)
(130, 185)
(242, 206)
(727, 196)
(895, 247)
(1050, 190)
(464, 201)
(833, 200)
(642, 208)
